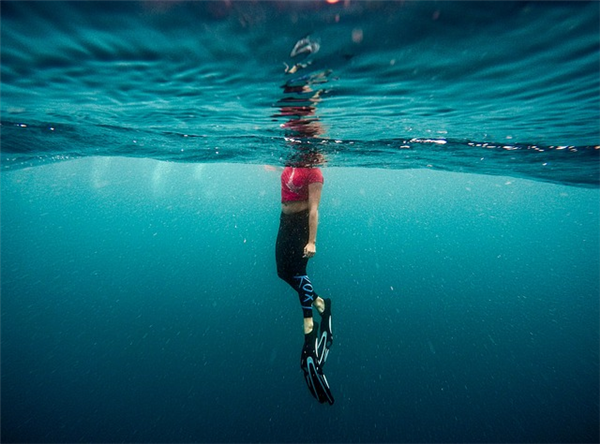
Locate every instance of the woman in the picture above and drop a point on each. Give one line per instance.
(296, 244)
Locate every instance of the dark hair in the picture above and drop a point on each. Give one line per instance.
(305, 158)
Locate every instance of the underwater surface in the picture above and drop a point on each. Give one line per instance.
(141, 147)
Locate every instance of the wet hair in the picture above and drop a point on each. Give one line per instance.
(305, 158)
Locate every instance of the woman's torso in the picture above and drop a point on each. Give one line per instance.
(294, 188)
(294, 207)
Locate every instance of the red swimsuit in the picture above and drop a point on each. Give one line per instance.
(295, 181)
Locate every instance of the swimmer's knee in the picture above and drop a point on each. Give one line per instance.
(283, 275)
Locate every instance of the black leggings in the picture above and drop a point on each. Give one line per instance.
(289, 254)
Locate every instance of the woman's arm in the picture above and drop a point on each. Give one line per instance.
(314, 197)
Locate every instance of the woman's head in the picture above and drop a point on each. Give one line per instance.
(306, 158)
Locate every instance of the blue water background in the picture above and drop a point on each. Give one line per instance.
(140, 203)
(200, 82)
(140, 303)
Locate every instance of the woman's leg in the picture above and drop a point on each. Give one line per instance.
(291, 267)
(291, 263)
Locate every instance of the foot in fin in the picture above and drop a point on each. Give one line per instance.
(313, 373)
(325, 335)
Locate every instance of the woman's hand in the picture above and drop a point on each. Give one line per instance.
(310, 250)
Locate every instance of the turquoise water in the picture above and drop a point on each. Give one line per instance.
(458, 238)
(201, 82)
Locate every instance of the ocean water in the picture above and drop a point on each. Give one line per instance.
(140, 152)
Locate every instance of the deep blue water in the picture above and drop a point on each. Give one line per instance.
(458, 238)
(140, 303)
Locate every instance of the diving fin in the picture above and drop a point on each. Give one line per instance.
(326, 335)
(310, 362)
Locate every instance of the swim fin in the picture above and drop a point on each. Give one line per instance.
(326, 335)
(313, 373)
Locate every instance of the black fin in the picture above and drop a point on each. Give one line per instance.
(313, 373)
